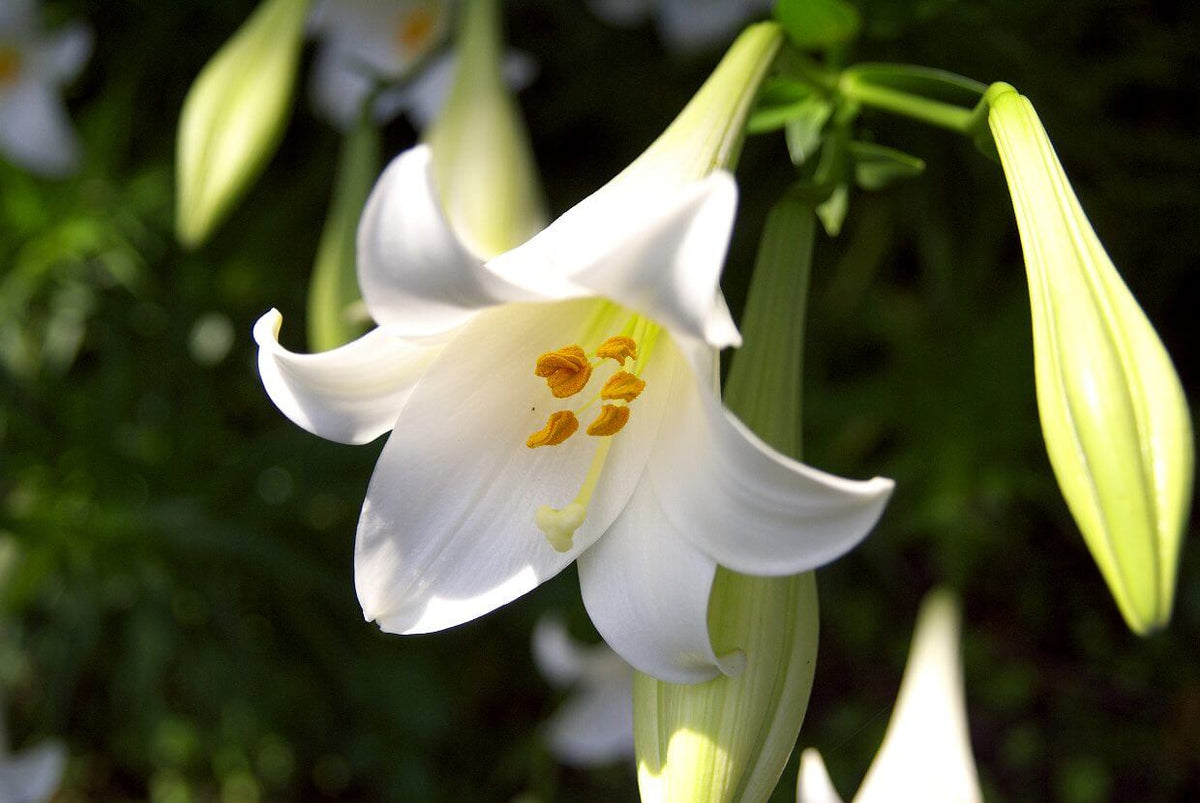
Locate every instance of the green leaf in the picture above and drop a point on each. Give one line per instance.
(234, 115)
(803, 131)
(927, 82)
(818, 23)
(877, 166)
(832, 211)
(779, 101)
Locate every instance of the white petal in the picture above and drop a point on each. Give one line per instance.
(33, 775)
(64, 53)
(926, 752)
(558, 657)
(747, 506)
(351, 394)
(658, 254)
(647, 588)
(35, 131)
(415, 273)
(17, 18)
(448, 531)
(813, 785)
(594, 727)
(338, 88)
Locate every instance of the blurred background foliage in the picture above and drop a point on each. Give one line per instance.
(179, 605)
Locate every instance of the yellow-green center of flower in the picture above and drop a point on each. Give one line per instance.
(568, 371)
(10, 65)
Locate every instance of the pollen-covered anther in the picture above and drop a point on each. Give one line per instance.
(559, 427)
(612, 419)
(619, 348)
(566, 370)
(624, 386)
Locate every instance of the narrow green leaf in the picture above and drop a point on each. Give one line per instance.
(832, 211)
(877, 166)
(803, 131)
(927, 82)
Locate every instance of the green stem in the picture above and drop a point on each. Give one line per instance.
(943, 115)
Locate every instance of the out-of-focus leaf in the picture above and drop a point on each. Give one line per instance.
(832, 211)
(818, 23)
(779, 101)
(803, 131)
(877, 166)
(928, 82)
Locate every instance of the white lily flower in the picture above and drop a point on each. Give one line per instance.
(484, 370)
(684, 24)
(926, 751)
(367, 43)
(594, 727)
(35, 131)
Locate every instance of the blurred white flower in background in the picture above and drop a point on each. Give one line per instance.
(926, 751)
(35, 131)
(594, 726)
(384, 49)
(685, 24)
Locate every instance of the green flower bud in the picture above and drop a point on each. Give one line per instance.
(234, 116)
(1113, 411)
(730, 738)
(481, 154)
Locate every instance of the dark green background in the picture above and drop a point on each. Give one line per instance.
(182, 611)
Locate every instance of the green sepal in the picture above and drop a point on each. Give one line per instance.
(811, 24)
(333, 293)
(877, 166)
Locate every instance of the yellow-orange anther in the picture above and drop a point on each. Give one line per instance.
(559, 427)
(414, 29)
(618, 348)
(612, 419)
(10, 65)
(622, 385)
(566, 370)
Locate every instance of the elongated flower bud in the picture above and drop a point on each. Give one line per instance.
(730, 738)
(1113, 411)
(484, 166)
(234, 115)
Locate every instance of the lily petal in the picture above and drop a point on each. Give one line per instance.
(448, 530)
(658, 254)
(744, 504)
(595, 724)
(66, 51)
(416, 274)
(926, 751)
(351, 394)
(338, 89)
(35, 130)
(32, 775)
(646, 588)
(814, 784)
